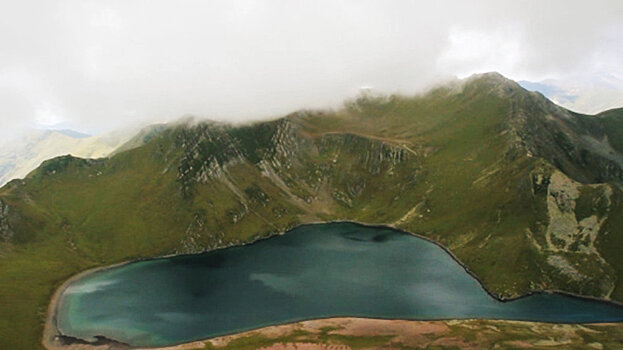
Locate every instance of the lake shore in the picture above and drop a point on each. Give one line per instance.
(350, 333)
(54, 340)
(52, 337)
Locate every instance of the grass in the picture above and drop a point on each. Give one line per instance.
(473, 334)
(258, 340)
(610, 241)
(612, 121)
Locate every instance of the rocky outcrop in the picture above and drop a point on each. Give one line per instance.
(206, 150)
(571, 232)
(197, 238)
(563, 226)
(372, 154)
(565, 232)
(284, 145)
(299, 164)
(565, 268)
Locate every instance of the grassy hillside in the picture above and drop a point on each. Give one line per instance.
(613, 124)
(496, 174)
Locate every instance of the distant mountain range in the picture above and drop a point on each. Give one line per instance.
(525, 193)
(600, 93)
(21, 156)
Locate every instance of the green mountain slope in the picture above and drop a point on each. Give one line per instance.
(525, 193)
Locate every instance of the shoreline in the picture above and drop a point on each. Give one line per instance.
(52, 335)
(312, 334)
(50, 330)
(339, 323)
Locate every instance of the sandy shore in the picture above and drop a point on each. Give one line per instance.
(52, 338)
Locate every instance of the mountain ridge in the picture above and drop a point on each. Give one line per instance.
(20, 156)
(525, 193)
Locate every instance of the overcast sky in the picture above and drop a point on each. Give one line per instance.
(98, 65)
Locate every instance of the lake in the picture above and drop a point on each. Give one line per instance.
(313, 271)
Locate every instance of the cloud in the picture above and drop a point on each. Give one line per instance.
(100, 65)
(479, 50)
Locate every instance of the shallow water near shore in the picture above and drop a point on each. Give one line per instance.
(313, 271)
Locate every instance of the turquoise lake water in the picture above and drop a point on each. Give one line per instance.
(313, 271)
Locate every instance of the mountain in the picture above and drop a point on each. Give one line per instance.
(72, 133)
(591, 94)
(18, 157)
(526, 194)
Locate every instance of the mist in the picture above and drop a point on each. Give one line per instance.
(95, 66)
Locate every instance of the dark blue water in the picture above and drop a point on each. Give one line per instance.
(338, 269)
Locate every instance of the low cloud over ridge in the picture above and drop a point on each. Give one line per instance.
(95, 66)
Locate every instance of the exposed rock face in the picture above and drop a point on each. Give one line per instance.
(299, 164)
(563, 226)
(570, 239)
(565, 268)
(206, 150)
(196, 236)
(285, 145)
(372, 154)
(6, 233)
(564, 231)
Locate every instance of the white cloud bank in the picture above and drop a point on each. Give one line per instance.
(97, 65)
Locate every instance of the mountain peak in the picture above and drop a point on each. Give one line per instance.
(493, 81)
(491, 78)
